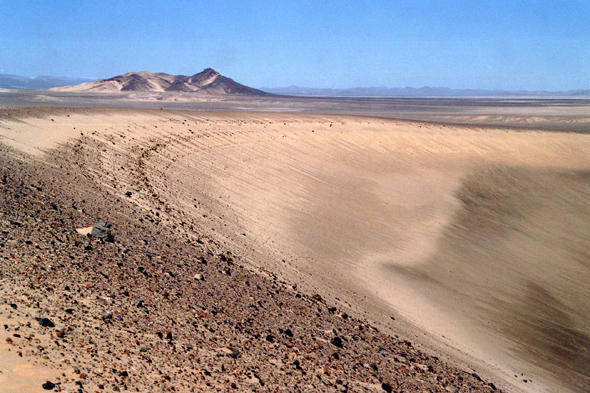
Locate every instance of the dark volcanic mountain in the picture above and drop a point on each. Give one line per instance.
(209, 81)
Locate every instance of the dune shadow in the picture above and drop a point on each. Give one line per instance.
(514, 261)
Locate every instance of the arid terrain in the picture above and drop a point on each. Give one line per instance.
(282, 244)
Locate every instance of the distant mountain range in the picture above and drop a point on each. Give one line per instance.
(17, 82)
(208, 81)
(417, 92)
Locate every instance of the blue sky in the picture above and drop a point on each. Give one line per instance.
(510, 44)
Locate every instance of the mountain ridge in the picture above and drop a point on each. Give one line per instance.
(425, 91)
(207, 81)
(19, 82)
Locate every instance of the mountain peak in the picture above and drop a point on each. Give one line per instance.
(209, 71)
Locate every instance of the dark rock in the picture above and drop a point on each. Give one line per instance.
(288, 333)
(48, 385)
(270, 338)
(139, 304)
(45, 322)
(101, 231)
(492, 386)
(124, 374)
(387, 387)
(373, 366)
(13, 306)
(336, 341)
(317, 297)
(53, 206)
(128, 194)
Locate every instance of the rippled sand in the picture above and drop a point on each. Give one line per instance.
(476, 236)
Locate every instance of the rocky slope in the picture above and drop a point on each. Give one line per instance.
(154, 310)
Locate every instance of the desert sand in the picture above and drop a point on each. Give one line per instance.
(468, 240)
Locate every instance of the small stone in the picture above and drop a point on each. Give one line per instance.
(139, 304)
(142, 349)
(387, 387)
(45, 322)
(453, 389)
(373, 366)
(317, 297)
(232, 353)
(128, 194)
(107, 315)
(48, 385)
(199, 277)
(336, 341)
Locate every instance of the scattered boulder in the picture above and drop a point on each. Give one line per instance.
(48, 385)
(101, 231)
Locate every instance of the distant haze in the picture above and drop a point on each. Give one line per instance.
(211, 82)
(418, 92)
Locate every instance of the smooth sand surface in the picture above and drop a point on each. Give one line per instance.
(476, 237)
(18, 374)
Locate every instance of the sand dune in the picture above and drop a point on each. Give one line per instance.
(474, 235)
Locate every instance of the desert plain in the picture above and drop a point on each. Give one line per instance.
(405, 245)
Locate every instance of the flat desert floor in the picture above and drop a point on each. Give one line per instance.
(471, 239)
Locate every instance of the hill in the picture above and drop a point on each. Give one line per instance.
(208, 81)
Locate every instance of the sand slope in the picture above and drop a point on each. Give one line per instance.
(477, 236)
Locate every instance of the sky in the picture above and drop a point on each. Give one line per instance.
(499, 44)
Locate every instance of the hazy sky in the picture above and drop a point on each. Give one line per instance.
(500, 44)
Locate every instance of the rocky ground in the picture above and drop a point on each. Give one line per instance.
(150, 311)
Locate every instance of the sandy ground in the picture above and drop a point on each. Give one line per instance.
(469, 239)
